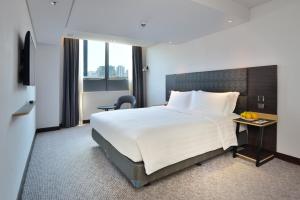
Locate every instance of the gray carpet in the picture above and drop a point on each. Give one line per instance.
(67, 164)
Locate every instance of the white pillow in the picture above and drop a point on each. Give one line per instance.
(209, 102)
(232, 102)
(180, 100)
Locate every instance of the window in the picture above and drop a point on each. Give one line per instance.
(94, 61)
(106, 66)
(120, 59)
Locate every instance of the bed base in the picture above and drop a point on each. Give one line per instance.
(135, 171)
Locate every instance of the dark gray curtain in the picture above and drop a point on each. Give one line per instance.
(138, 86)
(70, 109)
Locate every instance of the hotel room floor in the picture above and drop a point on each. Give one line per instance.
(67, 164)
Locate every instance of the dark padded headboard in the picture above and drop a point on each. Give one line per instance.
(212, 81)
(250, 82)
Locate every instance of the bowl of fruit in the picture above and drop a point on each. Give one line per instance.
(249, 116)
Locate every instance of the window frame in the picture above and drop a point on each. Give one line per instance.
(106, 78)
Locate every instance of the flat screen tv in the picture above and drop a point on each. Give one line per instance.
(28, 61)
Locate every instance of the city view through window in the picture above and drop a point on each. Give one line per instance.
(119, 60)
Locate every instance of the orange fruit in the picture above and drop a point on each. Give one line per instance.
(254, 116)
(248, 116)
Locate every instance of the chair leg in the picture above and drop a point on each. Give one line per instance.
(148, 184)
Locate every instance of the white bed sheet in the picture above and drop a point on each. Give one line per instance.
(161, 136)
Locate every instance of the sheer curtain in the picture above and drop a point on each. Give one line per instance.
(80, 82)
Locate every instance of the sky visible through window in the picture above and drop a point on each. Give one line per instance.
(96, 55)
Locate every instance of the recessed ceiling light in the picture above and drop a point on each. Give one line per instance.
(143, 23)
(229, 20)
(53, 3)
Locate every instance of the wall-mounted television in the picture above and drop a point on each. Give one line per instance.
(27, 73)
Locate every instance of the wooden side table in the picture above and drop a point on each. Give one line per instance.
(255, 153)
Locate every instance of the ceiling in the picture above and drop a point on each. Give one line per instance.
(251, 3)
(167, 21)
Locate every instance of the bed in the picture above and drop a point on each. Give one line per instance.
(150, 143)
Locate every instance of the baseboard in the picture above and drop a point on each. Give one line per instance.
(19, 197)
(47, 129)
(86, 121)
(287, 158)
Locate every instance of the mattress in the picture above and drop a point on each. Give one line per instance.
(160, 136)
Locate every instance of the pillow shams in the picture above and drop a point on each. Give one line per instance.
(232, 102)
(209, 102)
(180, 100)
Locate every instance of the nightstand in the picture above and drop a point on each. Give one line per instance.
(255, 153)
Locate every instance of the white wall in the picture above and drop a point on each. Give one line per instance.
(47, 85)
(271, 37)
(91, 100)
(16, 134)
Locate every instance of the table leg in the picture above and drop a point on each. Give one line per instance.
(237, 131)
(259, 145)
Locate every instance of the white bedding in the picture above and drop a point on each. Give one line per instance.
(162, 136)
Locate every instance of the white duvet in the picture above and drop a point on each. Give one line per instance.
(160, 136)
